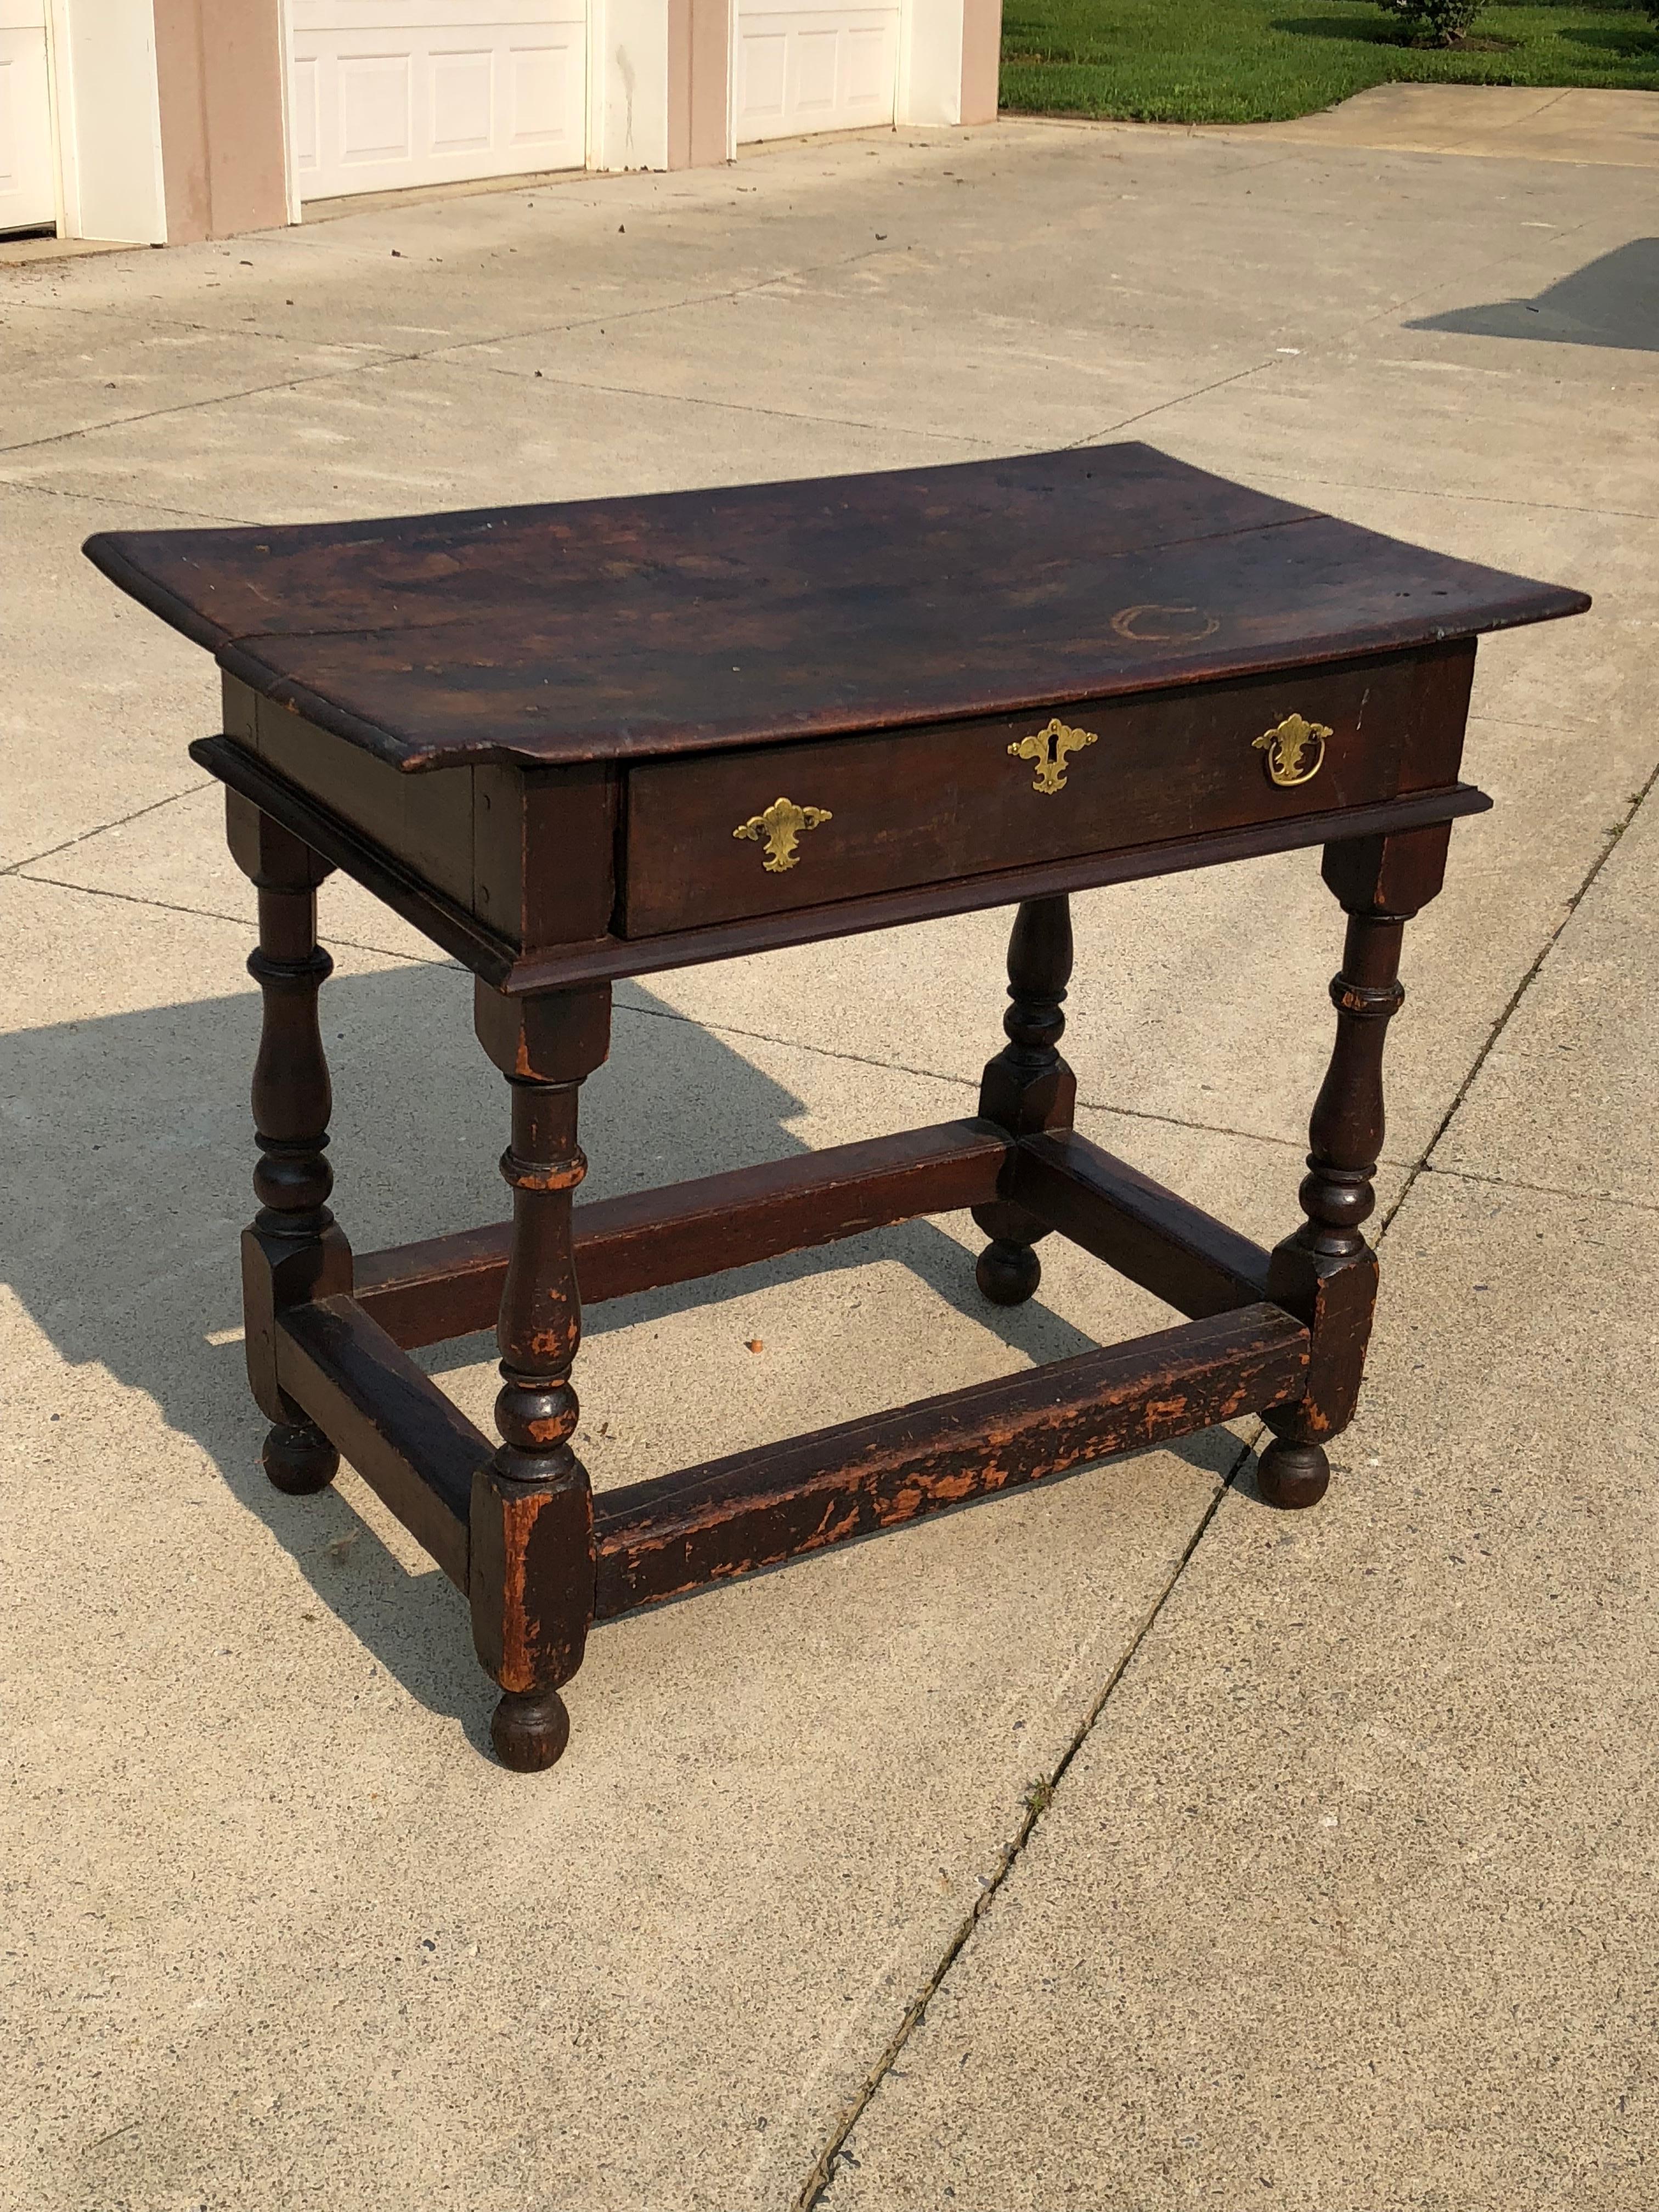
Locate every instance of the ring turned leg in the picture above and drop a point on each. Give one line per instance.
(1326, 1271)
(1028, 1086)
(294, 1251)
(531, 1573)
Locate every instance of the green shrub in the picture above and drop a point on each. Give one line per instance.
(1442, 22)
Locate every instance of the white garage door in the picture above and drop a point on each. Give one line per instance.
(27, 199)
(802, 68)
(392, 93)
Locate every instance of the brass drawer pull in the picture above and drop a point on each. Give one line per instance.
(1048, 750)
(780, 826)
(1285, 750)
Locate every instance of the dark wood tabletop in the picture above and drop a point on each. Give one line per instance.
(687, 621)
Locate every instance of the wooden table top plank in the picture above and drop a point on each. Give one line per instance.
(633, 629)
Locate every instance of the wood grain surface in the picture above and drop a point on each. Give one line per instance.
(446, 1286)
(691, 620)
(730, 1516)
(924, 806)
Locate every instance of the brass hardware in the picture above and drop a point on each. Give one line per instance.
(1048, 750)
(780, 826)
(1285, 749)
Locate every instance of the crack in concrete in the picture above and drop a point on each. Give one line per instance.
(1521, 989)
(823, 2172)
(212, 913)
(1541, 1189)
(26, 490)
(959, 1082)
(385, 358)
(738, 406)
(1164, 405)
(1039, 1799)
(33, 860)
(1271, 474)
(194, 406)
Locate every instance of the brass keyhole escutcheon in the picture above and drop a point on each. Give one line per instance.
(780, 829)
(1294, 753)
(1048, 750)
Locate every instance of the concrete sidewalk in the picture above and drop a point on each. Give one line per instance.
(1512, 122)
(1118, 1844)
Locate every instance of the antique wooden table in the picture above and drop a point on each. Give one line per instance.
(584, 741)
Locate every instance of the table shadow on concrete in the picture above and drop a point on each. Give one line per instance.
(123, 1236)
(1612, 301)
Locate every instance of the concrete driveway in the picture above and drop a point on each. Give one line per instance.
(1122, 1844)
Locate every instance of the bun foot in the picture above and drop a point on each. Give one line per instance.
(1292, 1475)
(300, 1459)
(530, 1729)
(1007, 1273)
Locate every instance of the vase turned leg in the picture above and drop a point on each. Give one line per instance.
(1326, 1271)
(531, 1573)
(1027, 1087)
(294, 1250)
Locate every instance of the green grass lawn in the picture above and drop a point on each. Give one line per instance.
(1257, 61)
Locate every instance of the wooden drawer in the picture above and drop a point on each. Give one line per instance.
(721, 837)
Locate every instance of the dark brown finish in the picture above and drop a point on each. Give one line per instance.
(1292, 1475)
(1395, 875)
(648, 1240)
(529, 1039)
(494, 958)
(953, 801)
(298, 1458)
(368, 861)
(543, 852)
(532, 1568)
(694, 621)
(534, 732)
(1027, 1087)
(1192, 1262)
(410, 1445)
(294, 1251)
(657, 1540)
(480, 836)
(1326, 1271)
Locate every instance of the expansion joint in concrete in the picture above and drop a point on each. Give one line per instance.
(1425, 1160)
(1042, 1791)
(967, 1084)
(120, 822)
(212, 914)
(1540, 1189)
(1039, 1796)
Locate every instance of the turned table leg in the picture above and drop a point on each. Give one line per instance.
(292, 1252)
(1028, 1086)
(531, 1581)
(1326, 1271)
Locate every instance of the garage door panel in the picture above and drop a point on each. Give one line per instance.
(545, 79)
(804, 70)
(761, 58)
(27, 196)
(303, 120)
(870, 54)
(387, 94)
(463, 119)
(458, 24)
(374, 116)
